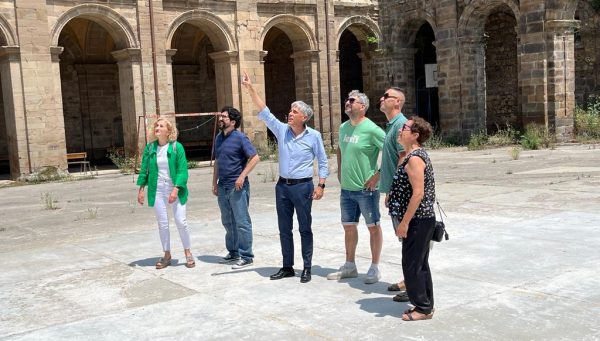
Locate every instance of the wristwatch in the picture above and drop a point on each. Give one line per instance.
(321, 185)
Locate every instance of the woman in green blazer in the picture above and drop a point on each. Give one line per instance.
(164, 171)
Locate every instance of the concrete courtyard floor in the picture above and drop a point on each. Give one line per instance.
(521, 262)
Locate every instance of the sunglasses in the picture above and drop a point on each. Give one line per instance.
(386, 96)
(406, 127)
(351, 100)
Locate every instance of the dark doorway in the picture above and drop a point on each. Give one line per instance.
(280, 80)
(194, 89)
(501, 71)
(90, 90)
(426, 98)
(351, 77)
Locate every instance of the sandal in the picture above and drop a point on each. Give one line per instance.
(401, 297)
(163, 263)
(410, 316)
(189, 261)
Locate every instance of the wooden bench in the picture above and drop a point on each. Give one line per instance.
(79, 159)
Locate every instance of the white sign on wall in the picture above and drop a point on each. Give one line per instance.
(431, 76)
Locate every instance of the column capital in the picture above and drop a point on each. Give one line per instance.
(128, 55)
(169, 53)
(55, 52)
(562, 26)
(9, 54)
(306, 54)
(224, 56)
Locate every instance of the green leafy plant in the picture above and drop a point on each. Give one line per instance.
(503, 136)
(436, 141)
(587, 120)
(191, 164)
(126, 163)
(268, 151)
(477, 141)
(536, 136)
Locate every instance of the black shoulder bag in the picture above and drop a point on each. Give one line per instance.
(439, 230)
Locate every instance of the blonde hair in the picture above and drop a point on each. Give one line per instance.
(172, 130)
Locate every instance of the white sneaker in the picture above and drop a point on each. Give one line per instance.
(373, 276)
(343, 272)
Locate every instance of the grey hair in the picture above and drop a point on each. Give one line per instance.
(303, 108)
(361, 97)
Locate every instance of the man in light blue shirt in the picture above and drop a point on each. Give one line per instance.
(298, 145)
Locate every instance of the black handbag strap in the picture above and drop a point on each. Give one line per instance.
(442, 214)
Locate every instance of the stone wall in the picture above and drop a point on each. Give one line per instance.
(237, 30)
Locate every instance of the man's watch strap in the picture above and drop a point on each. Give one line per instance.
(321, 185)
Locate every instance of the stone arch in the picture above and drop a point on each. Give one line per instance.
(7, 34)
(116, 25)
(362, 27)
(405, 32)
(296, 29)
(472, 20)
(562, 9)
(214, 27)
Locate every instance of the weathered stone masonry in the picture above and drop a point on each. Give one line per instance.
(77, 76)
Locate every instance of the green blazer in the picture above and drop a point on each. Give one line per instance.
(178, 170)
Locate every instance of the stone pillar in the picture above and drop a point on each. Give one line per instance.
(227, 78)
(449, 87)
(42, 100)
(533, 63)
(305, 67)
(169, 90)
(473, 94)
(561, 77)
(130, 85)
(14, 111)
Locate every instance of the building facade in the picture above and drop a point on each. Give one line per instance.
(91, 75)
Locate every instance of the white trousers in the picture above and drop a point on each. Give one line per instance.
(163, 190)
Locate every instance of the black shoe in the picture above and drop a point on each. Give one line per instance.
(305, 277)
(283, 272)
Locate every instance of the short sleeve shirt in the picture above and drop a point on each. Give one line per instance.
(232, 152)
(359, 146)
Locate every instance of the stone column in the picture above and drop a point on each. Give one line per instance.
(227, 78)
(561, 77)
(169, 90)
(42, 101)
(14, 111)
(305, 67)
(130, 85)
(404, 76)
(533, 63)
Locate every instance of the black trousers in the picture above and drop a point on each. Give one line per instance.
(415, 264)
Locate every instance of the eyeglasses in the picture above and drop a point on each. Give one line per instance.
(386, 96)
(406, 127)
(351, 100)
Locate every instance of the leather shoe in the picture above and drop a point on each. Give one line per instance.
(305, 277)
(282, 273)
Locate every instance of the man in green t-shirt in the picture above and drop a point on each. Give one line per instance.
(360, 142)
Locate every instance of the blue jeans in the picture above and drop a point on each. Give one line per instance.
(287, 199)
(236, 220)
(353, 203)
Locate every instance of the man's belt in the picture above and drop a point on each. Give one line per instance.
(294, 181)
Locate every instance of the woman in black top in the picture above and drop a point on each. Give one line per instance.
(411, 206)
